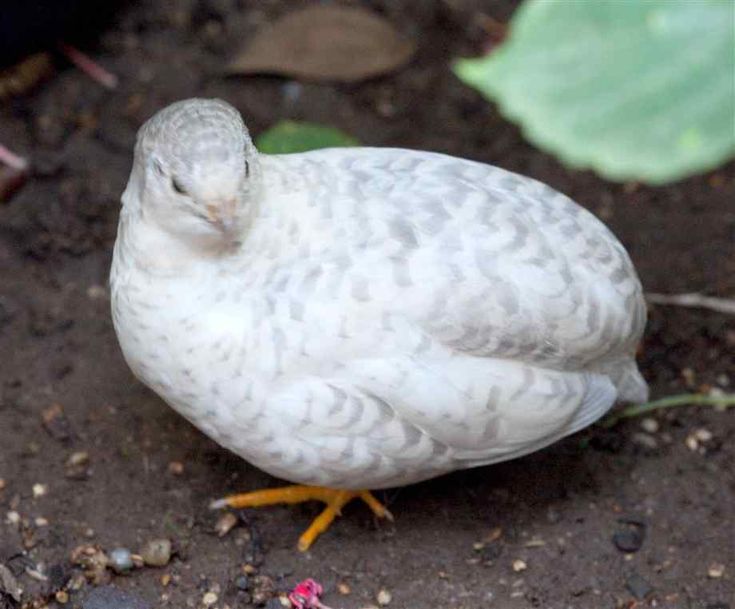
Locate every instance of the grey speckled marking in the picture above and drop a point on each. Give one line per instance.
(415, 312)
(403, 232)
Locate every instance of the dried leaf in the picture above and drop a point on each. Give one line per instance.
(326, 43)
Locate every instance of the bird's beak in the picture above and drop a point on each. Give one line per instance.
(223, 215)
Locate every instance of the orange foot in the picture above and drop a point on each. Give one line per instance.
(334, 498)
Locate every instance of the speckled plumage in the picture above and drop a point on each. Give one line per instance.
(378, 316)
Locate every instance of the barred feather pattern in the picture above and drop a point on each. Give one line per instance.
(390, 315)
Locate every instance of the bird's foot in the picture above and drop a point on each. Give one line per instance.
(334, 498)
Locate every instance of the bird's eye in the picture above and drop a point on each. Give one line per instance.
(247, 169)
(176, 185)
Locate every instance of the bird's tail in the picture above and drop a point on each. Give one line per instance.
(627, 379)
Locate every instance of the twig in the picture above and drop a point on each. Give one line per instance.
(686, 399)
(12, 160)
(693, 299)
(90, 67)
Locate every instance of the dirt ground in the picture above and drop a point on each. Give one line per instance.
(457, 541)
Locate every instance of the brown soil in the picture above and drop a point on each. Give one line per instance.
(556, 510)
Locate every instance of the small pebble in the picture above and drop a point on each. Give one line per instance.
(121, 560)
(650, 425)
(77, 465)
(630, 538)
(703, 435)
(716, 570)
(519, 565)
(698, 437)
(62, 597)
(156, 553)
(535, 543)
(644, 440)
(384, 597)
(716, 392)
(242, 582)
(80, 457)
(39, 490)
(165, 579)
(691, 443)
(723, 380)
(12, 517)
(176, 468)
(263, 588)
(56, 423)
(638, 586)
(209, 599)
(343, 588)
(41, 522)
(225, 524)
(93, 561)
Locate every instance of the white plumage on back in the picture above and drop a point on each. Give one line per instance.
(364, 317)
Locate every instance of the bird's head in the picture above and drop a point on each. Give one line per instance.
(196, 173)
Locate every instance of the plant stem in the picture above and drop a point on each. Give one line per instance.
(694, 399)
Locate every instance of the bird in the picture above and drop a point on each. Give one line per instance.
(355, 319)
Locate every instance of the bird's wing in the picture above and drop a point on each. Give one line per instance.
(488, 262)
(383, 422)
(448, 314)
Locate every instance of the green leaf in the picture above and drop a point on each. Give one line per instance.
(286, 137)
(636, 90)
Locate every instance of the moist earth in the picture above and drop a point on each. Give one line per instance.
(642, 514)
